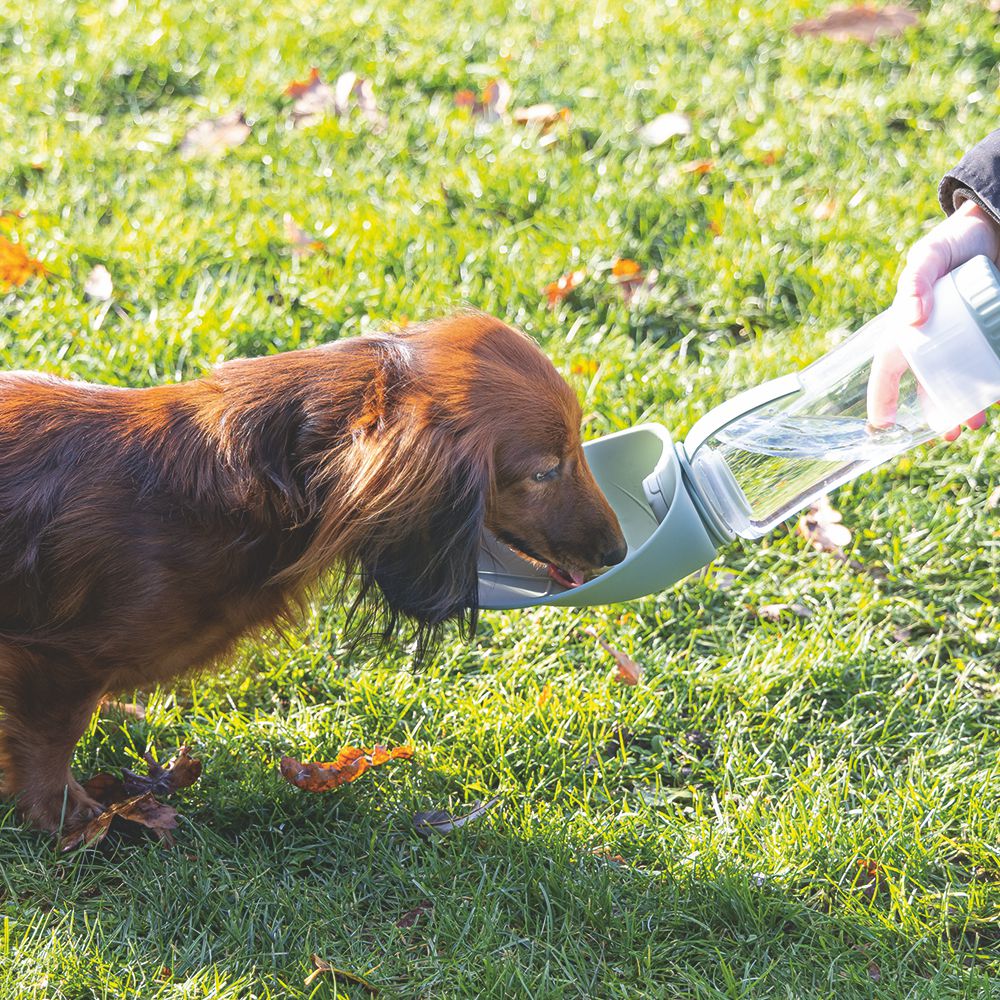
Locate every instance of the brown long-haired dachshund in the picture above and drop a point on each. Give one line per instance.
(143, 532)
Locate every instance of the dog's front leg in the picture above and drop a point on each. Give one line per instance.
(46, 708)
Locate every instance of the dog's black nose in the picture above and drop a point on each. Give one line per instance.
(614, 556)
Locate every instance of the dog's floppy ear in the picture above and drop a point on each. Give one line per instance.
(425, 570)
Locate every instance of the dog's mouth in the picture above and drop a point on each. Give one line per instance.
(566, 577)
(569, 578)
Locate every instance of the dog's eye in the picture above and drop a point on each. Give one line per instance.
(542, 477)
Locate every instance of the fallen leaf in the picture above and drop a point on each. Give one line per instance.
(179, 772)
(490, 105)
(410, 917)
(664, 127)
(322, 966)
(98, 285)
(142, 810)
(874, 971)
(861, 23)
(314, 99)
(216, 135)
(545, 696)
(628, 276)
(442, 822)
(540, 116)
(629, 671)
(773, 612)
(348, 765)
(556, 291)
(825, 210)
(821, 527)
(605, 855)
(870, 878)
(16, 267)
(302, 244)
(698, 167)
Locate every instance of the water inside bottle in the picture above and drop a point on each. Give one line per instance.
(782, 460)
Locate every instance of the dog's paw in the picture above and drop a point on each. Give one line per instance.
(68, 807)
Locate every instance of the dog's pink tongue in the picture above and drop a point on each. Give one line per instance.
(566, 578)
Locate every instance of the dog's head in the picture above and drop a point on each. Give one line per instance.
(464, 426)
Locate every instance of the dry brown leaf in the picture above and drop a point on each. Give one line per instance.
(861, 23)
(629, 672)
(321, 966)
(874, 971)
(312, 99)
(216, 135)
(98, 285)
(348, 766)
(540, 116)
(16, 267)
(410, 917)
(821, 527)
(490, 105)
(870, 878)
(442, 822)
(664, 127)
(302, 244)
(179, 772)
(556, 291)
(142, 810)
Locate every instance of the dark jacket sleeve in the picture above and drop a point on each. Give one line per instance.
(975, 178)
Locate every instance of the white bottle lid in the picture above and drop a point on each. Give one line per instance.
(955, 355)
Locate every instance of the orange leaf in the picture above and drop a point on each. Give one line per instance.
(490, 105)
(556, 291)
(699, 167)
(624, 269)
(299, 87)
(302, 244)
(629, 671)
(541, 116)
(16, 267)
(348, 766)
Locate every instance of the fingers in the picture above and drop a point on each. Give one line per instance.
(974, 423)
(888, 368)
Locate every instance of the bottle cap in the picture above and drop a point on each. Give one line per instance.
(955, 355)
(978, 283)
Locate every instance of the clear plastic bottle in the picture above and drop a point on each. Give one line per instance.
(772, 450)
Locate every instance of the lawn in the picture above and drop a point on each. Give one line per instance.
(794, 809)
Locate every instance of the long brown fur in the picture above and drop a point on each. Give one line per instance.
(143, 532)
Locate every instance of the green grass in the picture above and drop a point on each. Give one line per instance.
(755, 763)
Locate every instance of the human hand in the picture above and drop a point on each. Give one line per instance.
(967, 233)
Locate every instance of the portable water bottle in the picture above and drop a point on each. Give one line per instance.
(770, 451)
